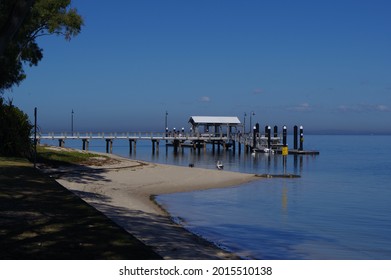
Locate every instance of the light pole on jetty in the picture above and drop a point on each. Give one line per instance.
(244, 123)
(166, 125)
(72, 122)
(251, 115)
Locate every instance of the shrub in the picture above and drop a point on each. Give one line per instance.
(15, 131)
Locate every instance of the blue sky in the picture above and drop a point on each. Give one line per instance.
(325, 65)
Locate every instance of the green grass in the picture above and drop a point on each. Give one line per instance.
(55, 157)
(40, 219)
(12, 161)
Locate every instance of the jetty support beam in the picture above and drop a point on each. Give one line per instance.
(132, 142)
(109, 146)
(85, 144)
(154, 141)
(176, 145)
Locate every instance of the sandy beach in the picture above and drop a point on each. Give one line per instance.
(122, 190)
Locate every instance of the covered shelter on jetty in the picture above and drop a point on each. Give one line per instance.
(214, 126)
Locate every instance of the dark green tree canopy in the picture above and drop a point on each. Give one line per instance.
(21, 23)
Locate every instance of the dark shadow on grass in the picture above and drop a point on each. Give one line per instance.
(72, 172)
(40, 219)
(76, 173)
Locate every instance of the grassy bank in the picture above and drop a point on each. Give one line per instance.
(62, 156)
(40, 219)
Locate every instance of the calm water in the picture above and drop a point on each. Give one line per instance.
(340, 208)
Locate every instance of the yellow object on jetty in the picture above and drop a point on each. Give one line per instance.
(285, 151)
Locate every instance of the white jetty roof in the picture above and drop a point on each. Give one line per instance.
(214, 120)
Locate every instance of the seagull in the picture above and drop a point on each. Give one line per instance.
(219, 165)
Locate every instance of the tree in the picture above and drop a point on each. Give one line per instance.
(21, 23)
(15, 131)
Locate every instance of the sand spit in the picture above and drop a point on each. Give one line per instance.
(122, 190)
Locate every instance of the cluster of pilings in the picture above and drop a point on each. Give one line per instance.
(295, 139)
(298, 140)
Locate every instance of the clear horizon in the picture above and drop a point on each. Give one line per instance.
(323, 65)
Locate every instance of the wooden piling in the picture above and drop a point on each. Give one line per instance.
(284, 145)
(295, 134)
(85, 144)
(284, 135)
(109, 146)
(130, 146)
(254, 138)
(176, 145)
(269, 135)
(301, 138)
(61, 142)
(154, 141)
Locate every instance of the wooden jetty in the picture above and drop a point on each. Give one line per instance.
(257, 143)
(177, 140)
(220, 132)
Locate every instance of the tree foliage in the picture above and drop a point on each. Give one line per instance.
(39, 18)
(15, 130)
(12, 16)
(22, 22)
